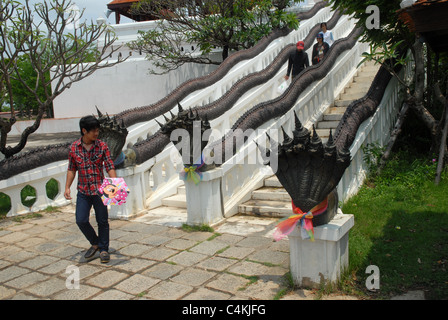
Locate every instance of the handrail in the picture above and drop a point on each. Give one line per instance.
(158, 176)
(169, 158)
(251, 62)
(39, 176)
(40, 157)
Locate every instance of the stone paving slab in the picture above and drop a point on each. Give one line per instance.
(150, 260)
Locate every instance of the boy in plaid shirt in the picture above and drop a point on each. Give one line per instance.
(89, 155)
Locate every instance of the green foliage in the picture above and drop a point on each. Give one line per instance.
(5, 204)
(372, 155)
(25, 101)
(383, 54)
(401, 220)
(392, 29)
(213, 24)
(28, 196)
(52, 188)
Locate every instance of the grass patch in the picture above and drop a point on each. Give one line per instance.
(26, 216)
(201, 228)
(288, 282)
(401, 226)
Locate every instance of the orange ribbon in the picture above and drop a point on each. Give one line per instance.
(286, 226)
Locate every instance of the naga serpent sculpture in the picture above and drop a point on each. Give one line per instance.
(146, 113)
(312, 182)
(154, 144)
(41, 156)
(307, 169)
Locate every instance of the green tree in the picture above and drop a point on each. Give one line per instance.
(41, 56)
(422, 94)
(209, 24)
(24, 100)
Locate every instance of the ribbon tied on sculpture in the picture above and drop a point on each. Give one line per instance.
(286, 226)
(192, 173)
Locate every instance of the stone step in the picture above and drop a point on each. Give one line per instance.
(333, 113)
(181, 190)
(177, 200)
(327, 124)
(323, 133)
(272, 182)
(342, 103)
(363, 79)
(333, 116)
(335, 110)
(266, 208)
(355, 89)
(360, 85)
(349, 95)
(369, 69)
(271, 194)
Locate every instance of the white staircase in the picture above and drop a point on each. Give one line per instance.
(356, 89)
(272, 200)
(178, 200)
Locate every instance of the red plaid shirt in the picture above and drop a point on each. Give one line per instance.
(89, 165)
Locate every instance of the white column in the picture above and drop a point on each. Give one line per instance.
(325, 258)
(204, 200)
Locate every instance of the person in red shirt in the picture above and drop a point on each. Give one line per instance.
(89, 156)
(297, 61)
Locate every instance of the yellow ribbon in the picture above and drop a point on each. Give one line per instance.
(191, 173)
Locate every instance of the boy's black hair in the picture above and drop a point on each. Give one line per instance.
(88, 123)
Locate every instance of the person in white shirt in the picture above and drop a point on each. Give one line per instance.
(328, 35)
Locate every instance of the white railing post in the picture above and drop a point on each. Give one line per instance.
(204, 199)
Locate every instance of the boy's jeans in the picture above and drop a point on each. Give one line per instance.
(83, 205)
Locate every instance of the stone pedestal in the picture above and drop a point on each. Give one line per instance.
(323, 260)
(204, 200)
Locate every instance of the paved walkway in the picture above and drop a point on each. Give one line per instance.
(151, 258)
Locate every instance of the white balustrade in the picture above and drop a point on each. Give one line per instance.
(37, 179)
(240, 178)
(157, 178)
(261, 61)
(376, 129)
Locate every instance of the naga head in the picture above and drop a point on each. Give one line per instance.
(308, 169)
(114, 134)
(192, 133)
